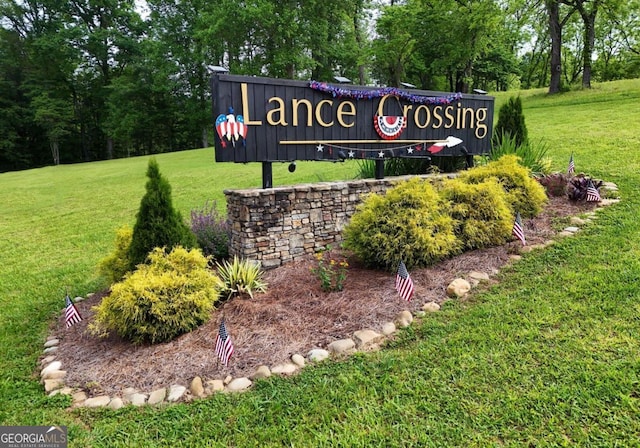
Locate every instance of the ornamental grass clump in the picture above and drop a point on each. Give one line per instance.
(525, 195)
(481, 212)
(240, 277)
(410, 223)
(173, 294)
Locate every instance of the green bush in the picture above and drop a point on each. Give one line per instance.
(171, 295)
(240, 277)
(409, 223)
(481, 211)
(116, 265)
(511, 122)
(212, 231)
(158, 224)
(524, 194)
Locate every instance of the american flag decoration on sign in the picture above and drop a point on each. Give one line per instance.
(404, 284)
(224, 346)
(592, 193)
(71, 314)
(572, 166)
(518, 230)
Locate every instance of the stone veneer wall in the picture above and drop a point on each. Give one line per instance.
(278, 225)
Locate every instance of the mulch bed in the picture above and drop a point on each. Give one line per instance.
(293, 316)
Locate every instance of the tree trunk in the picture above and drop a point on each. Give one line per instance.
(205, 138)
(555, 32)
(589, 20)
(55, 152)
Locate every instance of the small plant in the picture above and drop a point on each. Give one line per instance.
(531, 155)
(577, 188)
(212, 231)
(555, 184)
(171, 295)
(331, 272)
(240, 277)
(511, 122)
(116, 265)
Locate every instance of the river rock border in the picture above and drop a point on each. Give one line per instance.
(52, 375)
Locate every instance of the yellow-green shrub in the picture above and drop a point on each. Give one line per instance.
(116, 264)
(409, 223)
(524, 194)
(171, 295)
(481, 211)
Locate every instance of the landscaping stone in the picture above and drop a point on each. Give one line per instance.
(55, 365)
(564, 233)
(63, 391)
(341, 346)
(476, 275)
(431, 307)
(51, 343)
(47, 360)
(388, 328)
(261, 372)
(214, 386)
(157, 396)
(227, 379)
(97, 402)
(404, 319)
(50, 350)
(54, 374)
(239, 384)
(577, 221)
(138, 399)
(50, 385)
(317, 355)
(572, 229)
(298, 360)
(196, 388)
(176, 392)
(79, 397)
(458, 288)
(116, 404)
(366, 338)
(284, 369)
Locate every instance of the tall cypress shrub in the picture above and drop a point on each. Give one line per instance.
(158, 224)
(511, 122)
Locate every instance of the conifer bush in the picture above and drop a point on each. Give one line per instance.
(481, 212)
(511, 123)
(409, 223)
(158, 224)
(173, 294)
(117, 264)
(524, 194)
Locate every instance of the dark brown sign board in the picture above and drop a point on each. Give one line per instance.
(275, 120)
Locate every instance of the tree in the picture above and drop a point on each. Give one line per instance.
(556, 23)
(158, 224)
(511, 123)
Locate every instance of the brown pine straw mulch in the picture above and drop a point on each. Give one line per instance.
(293, 316)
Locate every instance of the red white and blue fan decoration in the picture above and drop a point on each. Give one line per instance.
(230, 128)
(389, 127)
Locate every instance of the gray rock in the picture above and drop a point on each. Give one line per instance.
(50, 350)
(55, 365)
(47, 360)
(157, 396)
(476, 275)
(261, 372)
(116, 403)
(176, 392)
(138, 399)
(342, 346)
(54, 374)
(317, 355)
(51, 343)
(239, 384)
(572, 229)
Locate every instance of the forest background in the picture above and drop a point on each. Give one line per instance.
(86, 80)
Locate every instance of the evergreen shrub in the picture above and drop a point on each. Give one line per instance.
(116, 265)
(481, 212)
(511, 122)
(172, 295)
(409, 223)
(158, 224)
(524, 194)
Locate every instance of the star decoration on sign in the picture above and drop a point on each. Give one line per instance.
(409, 150)
(320, 148)
(381, 154)
(351, 154)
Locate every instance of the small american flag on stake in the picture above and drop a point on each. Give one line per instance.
(224, 346)
(572, 167)
(592, 193)
(71, 314)
(518, 230)
(404, 284)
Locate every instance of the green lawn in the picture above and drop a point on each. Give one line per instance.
(549, 357)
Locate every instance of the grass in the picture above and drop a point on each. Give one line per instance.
(548, 357)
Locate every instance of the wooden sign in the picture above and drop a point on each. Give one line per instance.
(274, 120)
